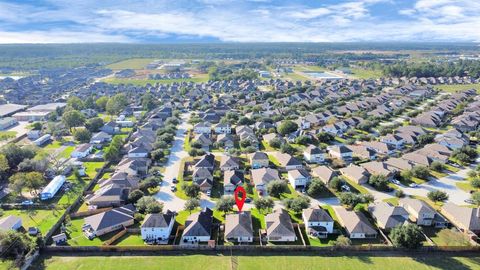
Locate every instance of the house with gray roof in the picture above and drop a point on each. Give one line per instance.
(317, 222)
(388, 216)
(239, 228)
(10, 223)
(111, 220)
(465, 218)
(423, 214)
(261, 177)
(157, 227)
(356, 224)
(280, 227)
(198, 227)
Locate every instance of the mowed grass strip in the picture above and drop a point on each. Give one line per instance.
(257, 262)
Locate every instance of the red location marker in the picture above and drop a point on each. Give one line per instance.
(240, 201)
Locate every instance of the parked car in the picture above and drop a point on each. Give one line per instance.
(174, 180)
(470, 201)
(27, 202)
(413, 185)
(248, 200)
(395, 181)
(173, 188)
(209, 193)
(345, 188)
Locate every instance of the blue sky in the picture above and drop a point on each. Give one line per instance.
(152, 21)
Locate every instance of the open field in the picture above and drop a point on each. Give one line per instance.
(458, 87)
(135, 63)
(362, 73)
(143, 82)
(257, 262)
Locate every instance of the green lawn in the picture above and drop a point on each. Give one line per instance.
(458, 87)
(257, 262)
(135, 63)
(362, 73)
(92, 167)
(43, 219)
(446, 237)
(130, 239)
(6, 135)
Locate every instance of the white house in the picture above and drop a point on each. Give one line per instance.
(157, 227)
(82, 151)
(138, 152)
(340, 152)
(298, 178)
(313, 154)
(223, 128)
(317, 222)
(393, 140)
(52, 188)
(202, 128)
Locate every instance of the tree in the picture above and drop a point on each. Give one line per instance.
(82, 135)
(101, 103)
(34, 180)
(192, 191)
(343, 241)
(475, 197)
(4, 167)
(37, 126)
(73, 118)
(264, 204)
(191, 204)
(149, 182)
(148, 101)
(75, 103)
(421, 172)
(425, 139)
(15, 245)
(379, 182)
(116, 104)
(287, 127)
(275, 143)
(287, 148)
(297, 204)
(316, 187)
(437, 195)
(225, 204)
(113, 151)
(407, 235)
(465, 155)
(276, 187)
(475, 183)
(324, 137)
(437, 166)
(94, 124)
(303, 140)
(16, 154)
(148, 205)
(135, 195)
(335, 183)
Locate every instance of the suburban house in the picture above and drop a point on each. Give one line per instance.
(355, 224)
(202, 128)
(299, 178)
(362, 152)
(258, 160)
(10, 223)
(355, 173)
(280, 227)
(111, 220)
(418, 159)
(288, 162)
(228, 163)
(203, 140)
(82, 151)
(318, 222)
(204, 178)
(225, 140)
(380, 147)
(394, 140)
(157, 227)
(110, 128)
(379, 168)
(198, 227)
(100, 138)
(398, 164)
(388, 216)
(222, 128)
(261, 177)
(423, 214)
(238, 227)
(7, 122)
(340, 152)
(324, 173)
(232, 179)
(313, 154)
(465, 218)
(207, 161)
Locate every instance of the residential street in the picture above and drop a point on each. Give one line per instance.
(172, 167)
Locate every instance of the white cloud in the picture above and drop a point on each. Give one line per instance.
(58, 37)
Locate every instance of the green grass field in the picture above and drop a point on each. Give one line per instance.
(43, 219)
(257, 262)
(366, 73)
(6, 135)
(143, 82)
(451, 88)
(135, 63)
